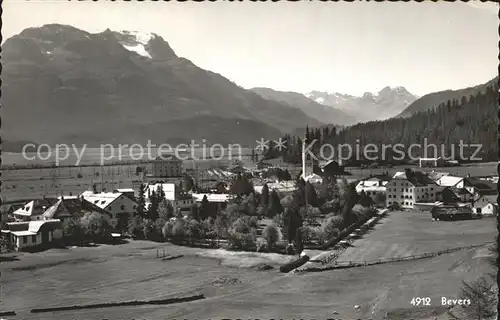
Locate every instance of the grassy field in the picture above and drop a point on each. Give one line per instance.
(29, 183)
(474, 169)
(131, 272)
(411, 233)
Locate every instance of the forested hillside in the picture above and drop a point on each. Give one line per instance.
(472, 119)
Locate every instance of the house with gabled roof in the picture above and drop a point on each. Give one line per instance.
(33, 210)
(28, 234)
(118, 204)
(72, 207)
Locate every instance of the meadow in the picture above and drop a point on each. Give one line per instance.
(235, 288)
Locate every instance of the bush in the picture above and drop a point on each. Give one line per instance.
(193, 230)
(253, 222)
(96, 226)
(167, 229)
(178, 230)
(136, 228)
(238, 240)
(271, 234)
(330, 228)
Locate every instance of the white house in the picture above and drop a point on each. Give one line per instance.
(180, 202)
(129, 192)
(217, 201)
(451, 181)
(372, 187)
(408, 190)
(483, 202)
(281, 186)
(22, 235)
(489, 209)
(118, 204)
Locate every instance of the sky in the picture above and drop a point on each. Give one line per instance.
(343, 47)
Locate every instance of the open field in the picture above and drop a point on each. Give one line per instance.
(24, 184)
(474, 169)
(406, 233)
(131, 272)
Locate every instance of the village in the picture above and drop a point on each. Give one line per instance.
(172, 192)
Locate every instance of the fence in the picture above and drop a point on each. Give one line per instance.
(352, 264)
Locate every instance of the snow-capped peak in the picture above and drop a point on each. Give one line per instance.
(136, 41)
(141, 37)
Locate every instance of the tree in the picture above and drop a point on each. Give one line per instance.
(178, 230)
(380, 199)
(193, 230)
(165, 210)
(299, 246)
(275, 206)
(294, 222)
(311, 194)
(136, 228)
(350, 199)
(271, 234)
(364, 199)
(482, 297)
(167, 229)
(96, 226)
(73, 230)
(141, 201)
(205, 208)
(265, 196)
(241, 186)
(188, 183)
(153, 208)
(330, 228)
(221, 226)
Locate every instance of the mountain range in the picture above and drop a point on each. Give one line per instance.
(387, 103)
(65, 85)
(310, 107)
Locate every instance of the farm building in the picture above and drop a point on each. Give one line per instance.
(450, 212)
(23, 235)
(431, 162)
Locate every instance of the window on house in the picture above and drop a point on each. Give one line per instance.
(33, 239)
(25, 239)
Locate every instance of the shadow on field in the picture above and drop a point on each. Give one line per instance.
(121, 304)
(8, 258)
(54, 264)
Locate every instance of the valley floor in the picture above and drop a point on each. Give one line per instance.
(235, 289)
